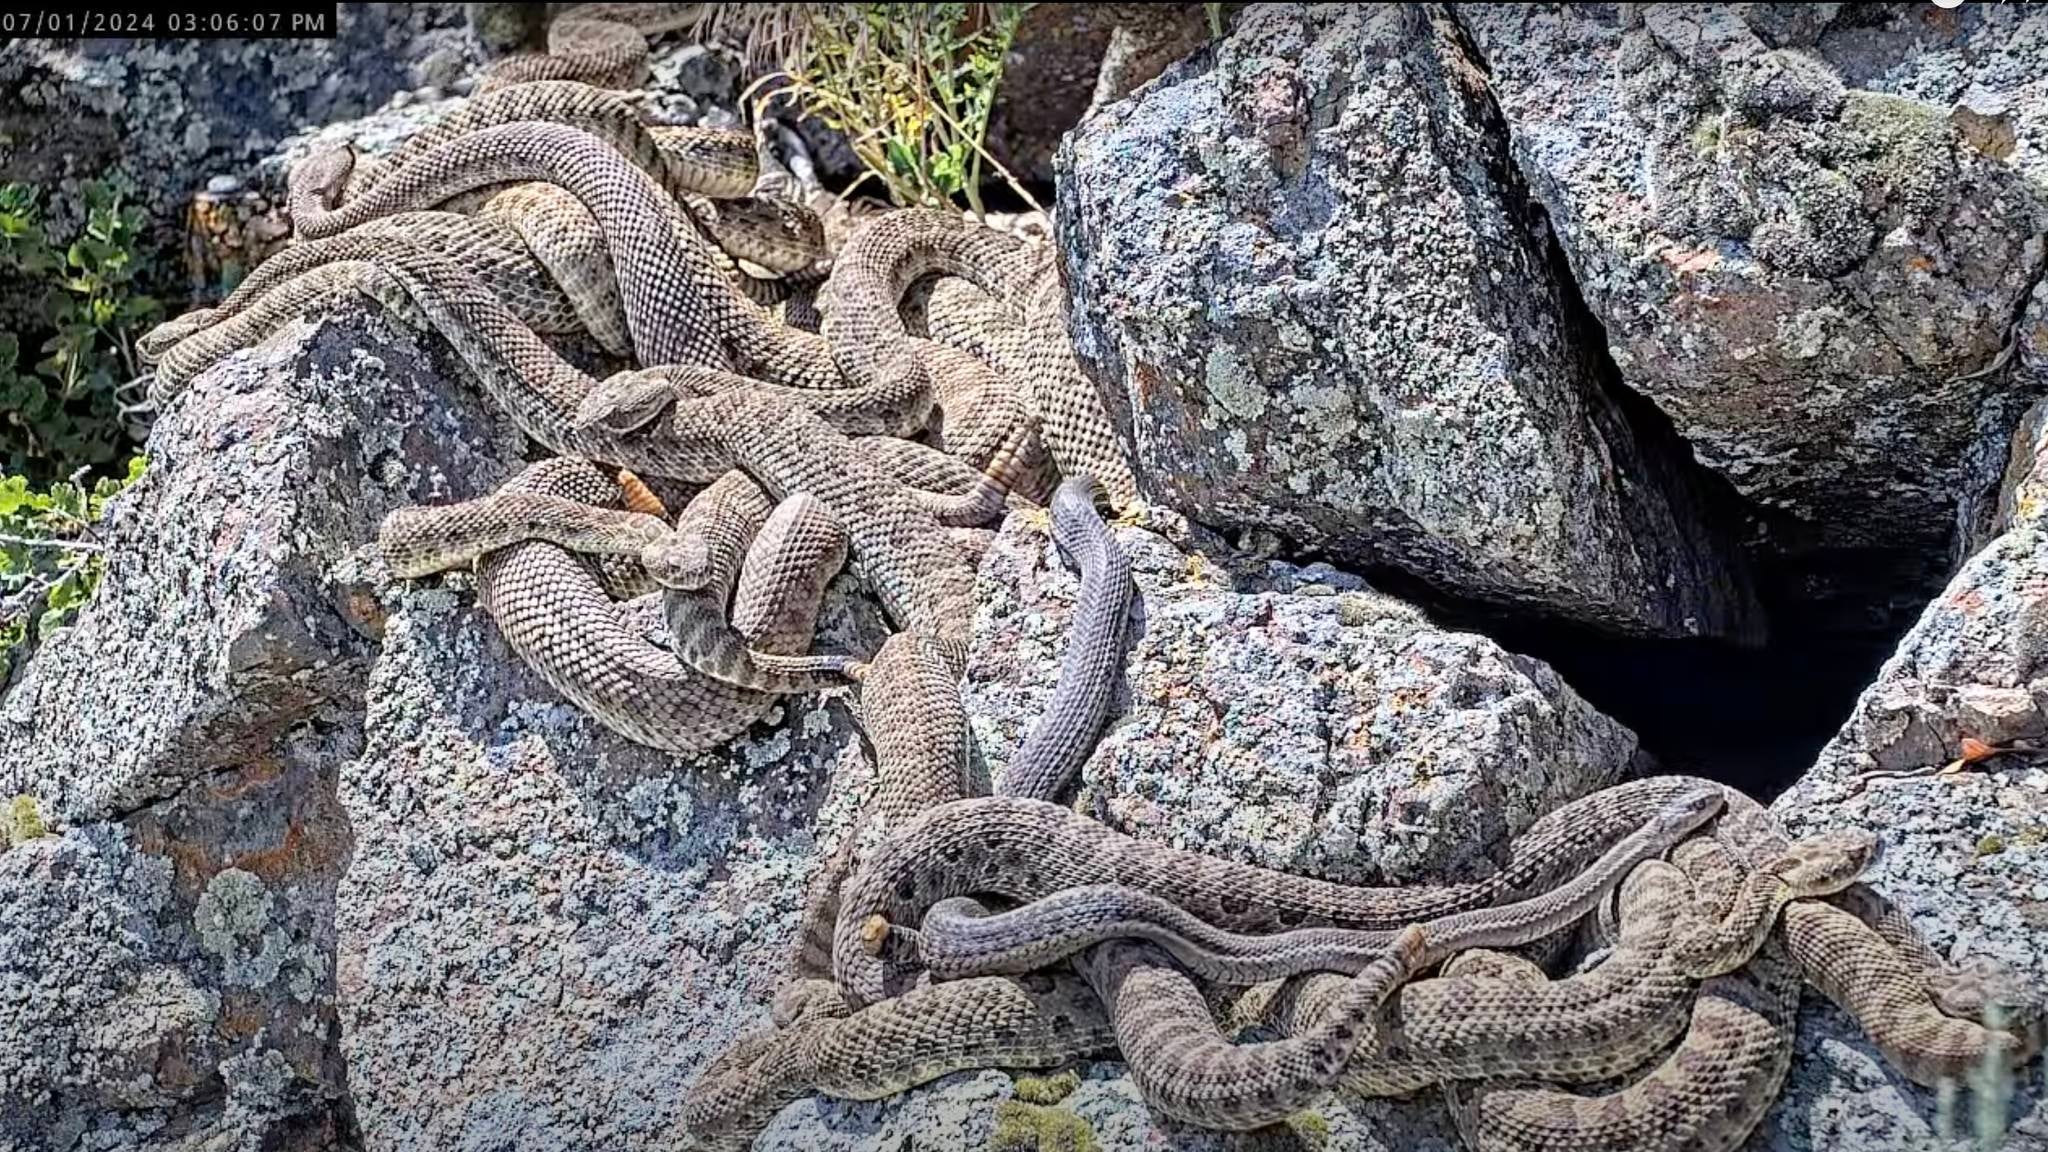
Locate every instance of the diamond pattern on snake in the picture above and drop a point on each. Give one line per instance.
(953, 931)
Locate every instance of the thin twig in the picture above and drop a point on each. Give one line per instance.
(53, 545)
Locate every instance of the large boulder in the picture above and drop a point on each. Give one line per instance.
(1812, 278)
(1318, 302)
(169, 957)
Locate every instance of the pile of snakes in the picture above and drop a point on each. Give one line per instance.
(879, 415)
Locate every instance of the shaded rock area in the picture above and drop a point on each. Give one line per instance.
(1812, 279)
(1308, 283)
(167, 113)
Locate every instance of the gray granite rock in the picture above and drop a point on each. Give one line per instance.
(185, 736)
(1988, 63)
(1291, 718)
(1809, 271)
(1314, 295)
(545, 929)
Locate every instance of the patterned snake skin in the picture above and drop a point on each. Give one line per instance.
(709, 172)
(1023, 850)
(554, 611)
(681, 309)
(602, 44)
(868, 336)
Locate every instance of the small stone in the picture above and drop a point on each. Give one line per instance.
(223, 185)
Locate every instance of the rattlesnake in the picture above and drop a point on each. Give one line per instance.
(604, 44)
(1189, 1071)
(1613, 1018)
(709, 172)
(878, 264)
(680, 308)
(557, 285)
(1024, 849)
(929, 771)
(553, 609)
(1061, 742)
(1160, 1035)
(961, 937)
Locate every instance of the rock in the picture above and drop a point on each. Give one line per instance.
(504, 29)
(186, 734)
(439, 68)
(1961, 855)
(1808, 269)
(1316, 304)
(166, 113)
(706, 73)
(546, 929)
(1290, 718)
(1986, 63)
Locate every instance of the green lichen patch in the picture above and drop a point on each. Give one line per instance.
(1047, 1089)
(23, 822)
(1022, 1127)
(1312, 1129)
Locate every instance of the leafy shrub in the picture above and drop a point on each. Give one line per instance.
(50, 561)
(910, 85)
(63, 412)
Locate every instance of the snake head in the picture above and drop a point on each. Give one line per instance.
(323, 175)
(778, 235)
(679, 561)
(624, 402)
(1688, 811)
(1825, 864)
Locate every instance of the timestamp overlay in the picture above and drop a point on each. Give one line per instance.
(167, 22)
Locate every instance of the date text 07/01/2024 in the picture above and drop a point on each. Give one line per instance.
(170, 22)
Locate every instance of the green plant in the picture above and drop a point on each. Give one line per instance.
(50, 560)
(63, 412)
(910, 85)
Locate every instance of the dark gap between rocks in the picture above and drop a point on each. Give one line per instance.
(1752, 715)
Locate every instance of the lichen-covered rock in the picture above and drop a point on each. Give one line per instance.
(219, 634)
(167, 957)
(1962, 855)
(1987, 63)
(1291, 717)
(116, 1031)
(1312, 292)
(546, 929)
(1812, 278)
